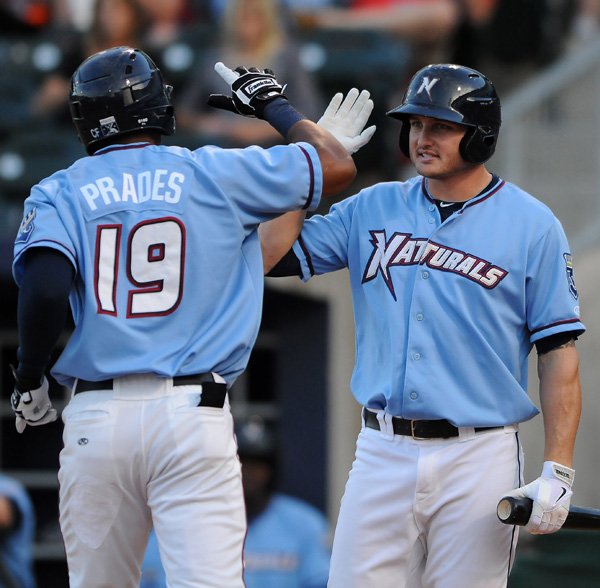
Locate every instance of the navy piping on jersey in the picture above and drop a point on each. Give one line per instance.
(494, 185)
(494, 190)
(565, 322)
(121, 147)
(311, 268)
(311, 170)
(514, 532)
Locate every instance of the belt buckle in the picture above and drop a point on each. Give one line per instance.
(412, 432)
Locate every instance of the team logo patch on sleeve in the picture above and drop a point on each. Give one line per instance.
(570, 275)
(26, 227)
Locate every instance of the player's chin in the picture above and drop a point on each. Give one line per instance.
(430, 169)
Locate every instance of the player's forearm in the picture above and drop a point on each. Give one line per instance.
(560, 399)
(338, 166)
(278, 235)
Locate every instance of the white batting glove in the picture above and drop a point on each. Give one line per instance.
(346, 118)
(551, 494)
(32, 407)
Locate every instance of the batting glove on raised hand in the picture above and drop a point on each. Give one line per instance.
(551, 494)
(32, 407)
(251, 90)
(346, 118)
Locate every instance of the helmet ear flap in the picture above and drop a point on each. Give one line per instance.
(478, 144)
(404, 136)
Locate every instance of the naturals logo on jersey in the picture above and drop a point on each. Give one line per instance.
(402, 250)
(26, 227)
(570, 275)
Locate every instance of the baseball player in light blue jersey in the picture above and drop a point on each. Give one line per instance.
(456, 274)
(156, 249)
(17, 533)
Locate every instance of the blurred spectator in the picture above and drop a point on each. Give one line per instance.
(115, 23)
(75, 14)
(252, 33)
(287, 545)
(512, 39)
(418, 21)
(586, 24)
(217, 7)
(167, 19)
(17, 529)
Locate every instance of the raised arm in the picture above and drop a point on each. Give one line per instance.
(338, 134)
(344, 119)
(256, 93)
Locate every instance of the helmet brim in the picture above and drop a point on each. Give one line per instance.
(432, 111)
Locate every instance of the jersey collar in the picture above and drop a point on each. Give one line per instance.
(122, 147)
(495, 184)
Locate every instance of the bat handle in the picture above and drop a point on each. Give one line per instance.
(514, 511)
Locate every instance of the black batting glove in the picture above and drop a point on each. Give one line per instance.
(251, 90)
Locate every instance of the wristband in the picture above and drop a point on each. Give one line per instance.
(551, 469)
(281, 115)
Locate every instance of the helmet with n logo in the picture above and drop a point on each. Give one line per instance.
(457, 94)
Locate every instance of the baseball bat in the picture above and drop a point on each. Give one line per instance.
(516, 511)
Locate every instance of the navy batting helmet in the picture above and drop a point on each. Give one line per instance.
(458, 94)
(116, 92)
(255, 439)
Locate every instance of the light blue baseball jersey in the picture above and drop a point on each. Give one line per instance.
(16, 547)
(165, 245)
(446, 312)
(287, 546)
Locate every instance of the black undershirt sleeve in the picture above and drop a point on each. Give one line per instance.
(288, 265)
(42, 309)
(554, 341)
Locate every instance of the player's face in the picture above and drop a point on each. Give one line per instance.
(434, 147)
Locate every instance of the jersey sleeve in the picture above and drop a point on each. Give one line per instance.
(41, 226)
(264, 183)
(324, 241)
(552, 297)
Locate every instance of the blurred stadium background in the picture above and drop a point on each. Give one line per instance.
(300, 369)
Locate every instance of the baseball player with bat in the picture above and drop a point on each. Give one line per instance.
(456, 274)
(156, 249)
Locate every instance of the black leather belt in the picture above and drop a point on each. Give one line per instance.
(438, 429)
(213, 393)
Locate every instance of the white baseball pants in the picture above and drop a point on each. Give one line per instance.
(146, 454)
(422, 513)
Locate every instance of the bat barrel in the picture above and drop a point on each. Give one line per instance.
(580, 517)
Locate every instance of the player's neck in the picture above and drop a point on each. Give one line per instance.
(459, 187)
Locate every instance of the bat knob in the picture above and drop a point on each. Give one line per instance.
(514, 511)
